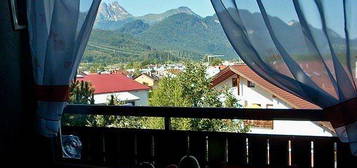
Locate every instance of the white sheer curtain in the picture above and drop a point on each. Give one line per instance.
(308, 48)
(58, 31)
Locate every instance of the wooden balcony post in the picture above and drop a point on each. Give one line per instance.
(206, 152)
(335, 154)
(268, 152)
(312, 154)
(167, 123)
(226, 151)
(289, 154)
(153, 149)
(247, 150)
(135, 150)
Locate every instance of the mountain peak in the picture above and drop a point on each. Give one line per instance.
(154, 18)
(184, 9)
(112, 12)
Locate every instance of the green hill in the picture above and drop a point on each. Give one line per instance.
(114, 47)
(134, 27)
(189, 32)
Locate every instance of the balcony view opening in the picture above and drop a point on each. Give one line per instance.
(176, 54)
(178, 83)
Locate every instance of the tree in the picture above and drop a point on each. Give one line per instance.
(194, 84)
(215, 62)
(191, 88)
(229, 100)
(168, 93)
(80, 92)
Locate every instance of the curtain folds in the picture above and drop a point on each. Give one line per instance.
(58, 32)
(308, 48)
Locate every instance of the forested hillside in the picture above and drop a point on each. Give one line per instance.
(189, 32)
(114, 47)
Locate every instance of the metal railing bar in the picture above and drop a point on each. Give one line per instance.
(190, 132)
(194, 112)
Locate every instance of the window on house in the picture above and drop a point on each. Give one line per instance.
(251, 84)
(234, 82)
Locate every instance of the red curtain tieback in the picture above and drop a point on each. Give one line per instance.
(52, 93)
(343, 113)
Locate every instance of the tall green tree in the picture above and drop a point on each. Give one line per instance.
(191, 88)
(169, 93)
(194, 84)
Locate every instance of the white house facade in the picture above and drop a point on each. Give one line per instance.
(135, 98)
(251, 96)
(254, 92)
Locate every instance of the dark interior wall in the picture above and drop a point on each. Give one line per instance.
(17, 133)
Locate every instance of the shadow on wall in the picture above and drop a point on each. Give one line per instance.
(17, 135)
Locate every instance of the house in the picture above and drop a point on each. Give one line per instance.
(150, 80)
(252, 91)
(119, 85)
(211, 71)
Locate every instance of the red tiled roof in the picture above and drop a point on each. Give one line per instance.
(222, 67)
(111, 83)
(246, 72)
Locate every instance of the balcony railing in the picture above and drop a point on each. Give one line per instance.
(120, 147)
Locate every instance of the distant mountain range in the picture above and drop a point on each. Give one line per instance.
(111, 16)
(181, 34)
(175, 34)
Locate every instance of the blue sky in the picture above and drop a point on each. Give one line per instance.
(284, 9)
(142, 7)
